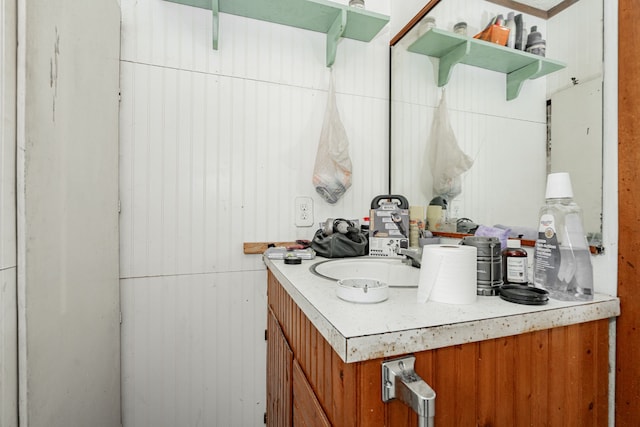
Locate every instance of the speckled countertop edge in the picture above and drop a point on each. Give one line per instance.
(399, 326)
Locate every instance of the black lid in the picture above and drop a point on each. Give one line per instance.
(292, 259)
(523, 294)
(439, 201)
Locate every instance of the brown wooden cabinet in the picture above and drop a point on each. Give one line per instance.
(279, 371)
(307, 411)
(289, 394)
(553, 377)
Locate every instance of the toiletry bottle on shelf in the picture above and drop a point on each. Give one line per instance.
(511, 25)
(520, 36)
(460, 28)
(535, 44)
(534, 36)
(562, 261)
(515, 263)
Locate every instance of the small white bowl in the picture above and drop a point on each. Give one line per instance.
(362, 290)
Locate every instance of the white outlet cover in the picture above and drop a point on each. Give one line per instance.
(303, 211)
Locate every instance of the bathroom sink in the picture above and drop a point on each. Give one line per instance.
(389, 270)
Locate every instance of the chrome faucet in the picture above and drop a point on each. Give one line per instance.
(413, 256)
(400, 381)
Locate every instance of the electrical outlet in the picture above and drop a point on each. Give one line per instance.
(304, 211)
(455, 208)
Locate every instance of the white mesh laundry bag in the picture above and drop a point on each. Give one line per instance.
(444, 159)
(332, 171)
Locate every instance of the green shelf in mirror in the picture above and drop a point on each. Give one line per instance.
(454, 49)
(335, 20)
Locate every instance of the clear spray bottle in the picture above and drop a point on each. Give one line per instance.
(562, 261)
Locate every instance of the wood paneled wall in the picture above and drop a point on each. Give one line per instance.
(215, 145)
(628, 324)
(555, 377)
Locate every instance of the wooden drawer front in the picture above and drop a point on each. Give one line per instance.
(555, 377)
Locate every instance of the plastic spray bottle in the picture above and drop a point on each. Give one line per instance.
(562, 261)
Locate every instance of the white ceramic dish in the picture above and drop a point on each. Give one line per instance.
(362, 290)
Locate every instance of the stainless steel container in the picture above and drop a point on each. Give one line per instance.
(489, 268)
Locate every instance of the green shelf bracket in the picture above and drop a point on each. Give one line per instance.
(448, 61)
(334, 35)
(215, 10)
(516, 79)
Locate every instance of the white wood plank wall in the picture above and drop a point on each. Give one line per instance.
(577, 36)
(215, 146)
(8, 305)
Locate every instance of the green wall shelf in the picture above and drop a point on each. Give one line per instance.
(334, 20)
(454, 49)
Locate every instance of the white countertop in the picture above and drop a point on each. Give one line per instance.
(401, 325)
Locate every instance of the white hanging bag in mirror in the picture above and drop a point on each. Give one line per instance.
(444, 159)
(332, 171)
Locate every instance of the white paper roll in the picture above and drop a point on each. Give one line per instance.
(448, 274)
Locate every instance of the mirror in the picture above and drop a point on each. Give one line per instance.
(553, 125)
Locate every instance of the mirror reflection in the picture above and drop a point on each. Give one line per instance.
(554, 124)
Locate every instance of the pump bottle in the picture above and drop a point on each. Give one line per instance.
(562, 261)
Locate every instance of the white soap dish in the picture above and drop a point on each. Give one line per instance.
(362, 290)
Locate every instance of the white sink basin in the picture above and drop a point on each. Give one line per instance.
(392, 271)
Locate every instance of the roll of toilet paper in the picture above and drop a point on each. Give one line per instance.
(448, 274)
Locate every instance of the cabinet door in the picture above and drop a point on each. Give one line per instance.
(279, 389)
(307, 411)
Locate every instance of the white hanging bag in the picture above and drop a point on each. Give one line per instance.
(332, 171)
(444, 159)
